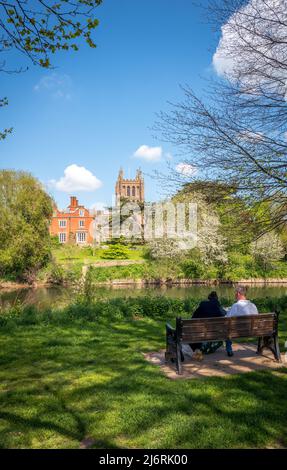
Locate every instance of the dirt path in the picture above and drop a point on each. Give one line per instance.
(112, 262)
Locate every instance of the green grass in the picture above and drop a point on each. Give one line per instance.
(64, 378)
(67, 254)
(103, 274)
(149, 270)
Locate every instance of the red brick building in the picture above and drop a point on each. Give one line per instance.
(74, 225)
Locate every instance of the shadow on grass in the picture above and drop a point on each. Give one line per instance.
(63, 384)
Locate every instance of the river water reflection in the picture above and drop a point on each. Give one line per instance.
(44, 297)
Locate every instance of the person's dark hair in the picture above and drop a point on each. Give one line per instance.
(213, 295)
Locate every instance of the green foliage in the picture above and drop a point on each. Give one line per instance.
(246, 267)
(5, 132)
(87, 307)
(87, 251)
(192, 266)
(24, 225)
(102, 274)
(117, 241)
(240, 267)
(115, 252)
(42, 29)
(148, 270)
(56, 274)
(85, 292)
(267, 249)
(55, 242)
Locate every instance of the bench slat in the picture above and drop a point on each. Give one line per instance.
(220, 328)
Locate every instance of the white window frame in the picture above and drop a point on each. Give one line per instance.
(62, 223)
(81, 213)
(62, 237)
(81, 223)
(81, 237)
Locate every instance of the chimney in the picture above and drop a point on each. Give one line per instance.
(74, 202)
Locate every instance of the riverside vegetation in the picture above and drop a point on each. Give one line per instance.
(67, 269)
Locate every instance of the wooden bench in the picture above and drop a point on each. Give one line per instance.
(263, 326)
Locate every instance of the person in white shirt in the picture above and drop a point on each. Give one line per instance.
(240, 308)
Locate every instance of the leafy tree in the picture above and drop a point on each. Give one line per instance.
(211, 242)
(266, 249)
(240, 220)
(39, 28)
(26, 210)
(162, 248)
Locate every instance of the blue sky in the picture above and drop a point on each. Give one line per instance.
(94, 110)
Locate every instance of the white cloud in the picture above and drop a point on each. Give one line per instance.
(222, 65)
(244, 46)
(57, 86)
(185, 169)
(149, 154)
(76, 178)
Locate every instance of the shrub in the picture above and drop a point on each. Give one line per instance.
(102, 274)
(192, 269)
(56, 274)
(157, 308)
(115, 252)
(55, 243)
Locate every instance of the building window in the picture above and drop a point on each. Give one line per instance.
(62, 237)
(81, 213)
(133, 191)
(128, 191)
(81, 223)
(62, 223)
(81, 237)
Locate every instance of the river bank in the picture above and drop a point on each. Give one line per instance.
(184, 282)
(6, 286)
(10, 285)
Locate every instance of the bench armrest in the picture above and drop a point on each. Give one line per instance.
(170, 331)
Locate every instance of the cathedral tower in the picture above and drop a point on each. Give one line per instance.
(130, 189)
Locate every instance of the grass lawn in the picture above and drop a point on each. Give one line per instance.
(60, 384)
(68, 254)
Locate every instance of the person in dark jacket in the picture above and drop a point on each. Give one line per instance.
(208, 309)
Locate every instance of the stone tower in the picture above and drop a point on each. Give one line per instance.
(130, 189)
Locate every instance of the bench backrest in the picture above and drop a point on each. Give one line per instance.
(222, 328)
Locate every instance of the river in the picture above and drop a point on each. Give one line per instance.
(44, 297)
